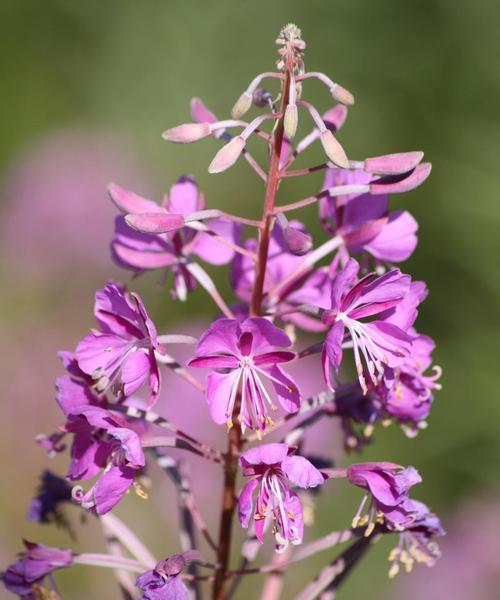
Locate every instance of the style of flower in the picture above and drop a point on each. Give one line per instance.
(243, 352)
(377, 344)
(171, 247)
(121, 356)
(363, 220)
(164, 581)
(103, 441)
(274, 468)
(417, 540)
(25, 577)
(387, 485)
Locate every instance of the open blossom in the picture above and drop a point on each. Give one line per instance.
(417, 539)
(364, 221)
(243, 354)
(170, 250)
(274, 468)
(164, 581)
(104, 443)
(26, 576)
(387, 485)
(312, 286)
(377, 344)
(121, 356)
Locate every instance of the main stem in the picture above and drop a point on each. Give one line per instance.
(235, 444)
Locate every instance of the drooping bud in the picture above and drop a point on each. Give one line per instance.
(155, 222)
(397, 184)
(242, 105)
(290, 121)
(393, 164)
(227, 155)
(333, 149)
(340, 94)
(297, 242)
(187, 133)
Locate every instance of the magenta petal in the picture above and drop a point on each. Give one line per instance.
(333, 345)
(335, 117)
(397, 240)
(115, 313)
(301, 472)
(214, 362)
(286, 388)
(220, 337)
(245, 502)
(97, 352)
(219, 389)
(129, 202)
(200, 113)
(155, 222)
(131, 445)
(293, 506)
(72, 394)
(271, 358)
(342, 282)
(212, 250)
(110, 488)
(184, 197)
(393, 164)
(265, 454)
(393, 340)
(135, 370)
(266, 336)
(138, 259)
(401, 183)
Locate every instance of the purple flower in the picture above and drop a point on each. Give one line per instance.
(28, 573)
(243, 352)
(311, 287)
(275, 469)
(122, 355)
(145, 251)
(164, 581)
(409, 397)
(103, 441)
(377, 344)
(416, 541)
(387, 485)
(52, 492)
(364, 221)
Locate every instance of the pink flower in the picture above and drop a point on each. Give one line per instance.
(243, 352)
(122, 355)
(275, 469)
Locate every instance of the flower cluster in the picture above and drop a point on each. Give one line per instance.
(347, 291)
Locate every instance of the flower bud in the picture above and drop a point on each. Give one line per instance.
(333, 149)
(340, 94)
(155, 222)
(397, 184)
(242, 105)
(187, 133)
(393, 164)
(227, 155)
(298, 242)
(261, 97)
(290, 121)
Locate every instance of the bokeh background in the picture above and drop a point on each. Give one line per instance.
(86, 90)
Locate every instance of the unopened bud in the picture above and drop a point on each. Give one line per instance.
(393, 164)
(298, 242)
(261, 97)
(187, 133)
(340, 94)
(333, 149)
(290, 121)
(242, 105)
(397, 184)
(227, 155)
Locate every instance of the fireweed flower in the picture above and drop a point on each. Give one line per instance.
(164, 581)
(377, 344)
(52, 492)
(170, 243)
(364, 221)
(25, 577)
(417, 539)
(387, 485)
(274, 469)
(103, 441)
(243, 352)
(121, 356)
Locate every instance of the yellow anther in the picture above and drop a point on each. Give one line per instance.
(140, 491)
(369, 529)
(394, 554)
(368, 431)
(393, 571)
(229, 425)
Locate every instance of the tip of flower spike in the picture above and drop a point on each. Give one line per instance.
(340, 94)
(393, 164)
(290, 32)
(155, 222)
(187, 133)
(242, 105)
(334, 150)
(227, 155)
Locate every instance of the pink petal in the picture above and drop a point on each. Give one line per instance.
(301, 472)
(134, 372)
(401, 183)
(155, 222)
(393, 164)
(245, 502)
(219, 388)
(129, 202)
(184, 197)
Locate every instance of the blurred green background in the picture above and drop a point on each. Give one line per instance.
(86, 90)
